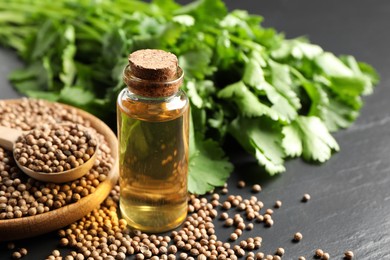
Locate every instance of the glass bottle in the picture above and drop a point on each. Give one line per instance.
(153, 127)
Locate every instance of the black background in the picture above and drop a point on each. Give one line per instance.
(350, 205)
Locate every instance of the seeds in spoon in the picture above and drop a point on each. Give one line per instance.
(55, 149)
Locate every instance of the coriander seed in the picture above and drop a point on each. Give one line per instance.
(298, 237)
(279, 251)
(278, 204)
(256, 188)
(306, 197)
(348, 255)
(319, 253)
(241, 184)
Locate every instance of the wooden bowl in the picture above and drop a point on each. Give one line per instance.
(18, 228)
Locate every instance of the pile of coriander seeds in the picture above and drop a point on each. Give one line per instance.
(55, 148)
(21, 195)
(102, 234)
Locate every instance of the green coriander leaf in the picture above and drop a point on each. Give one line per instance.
(186, 20)
(334, 113)
(206, 12)
(51, 96)
(246, 102)
(369, 71)
(279, 102)
(77, 96)
(281, 80)
(316, 141)
(291, 142)
(193, 94)
(332, 66)
(216, 120)
(166, 6)
(225, 51)
(348, 86)
(196, 62)
(33, 77)
(318, 97)
(369, 77)
(68, 73)
(253, 74)
(208, 167)
(337, 115)
(298, 48)
(262, 138)
(45, 39)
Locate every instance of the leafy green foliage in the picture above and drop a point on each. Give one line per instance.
(279, 98)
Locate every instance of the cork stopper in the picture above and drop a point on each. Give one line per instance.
(153, 73)
(155, 65)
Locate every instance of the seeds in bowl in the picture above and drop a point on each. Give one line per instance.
(22, 196)
(57, 148)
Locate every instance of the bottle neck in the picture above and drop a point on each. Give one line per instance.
(152, 89)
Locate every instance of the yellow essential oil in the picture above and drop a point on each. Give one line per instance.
(153, 125)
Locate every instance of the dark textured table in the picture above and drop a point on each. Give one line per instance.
(350, 205)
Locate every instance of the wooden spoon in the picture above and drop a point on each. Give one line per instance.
(8, 137)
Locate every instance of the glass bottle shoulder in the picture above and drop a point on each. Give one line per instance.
(152, 109)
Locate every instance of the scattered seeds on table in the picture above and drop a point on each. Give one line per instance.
(102, 234)
(301, 258)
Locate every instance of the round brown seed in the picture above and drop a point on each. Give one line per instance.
(279, 251)
(256, 188)
(241, 184)
(319, 253)
(16, 255)
(298, 237)
(348, 254)
(306, 197)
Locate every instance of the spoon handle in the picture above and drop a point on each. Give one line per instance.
(8, 137)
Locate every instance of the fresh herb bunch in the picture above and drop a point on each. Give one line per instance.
(278, 98)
